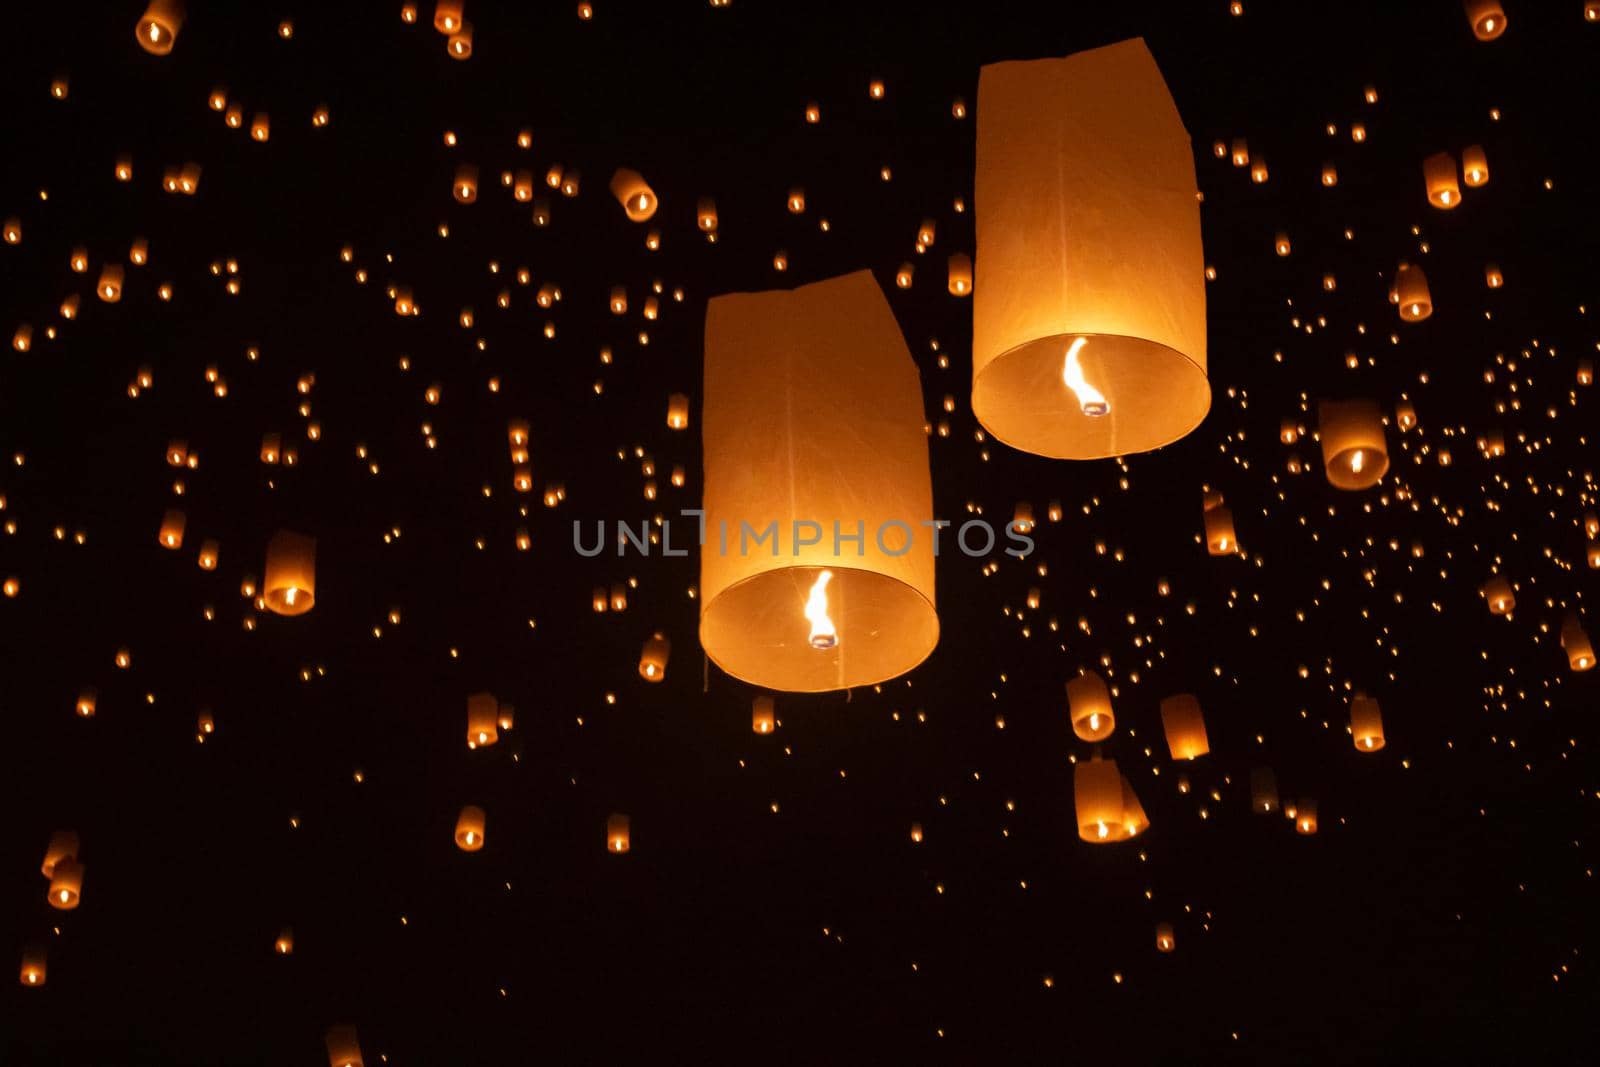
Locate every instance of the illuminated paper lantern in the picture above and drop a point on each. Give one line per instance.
(1474, 166)
(677, 411)
(109, 287)
(1492, 276)
(209, 550)
(1411, 293)
(1354, 452)
(459, 46)
(290, 585)
(1185, 726)
(447, 16)
(1106, 808)
(158, 27)
(812, 427)
(33, 966)
(482, 720)
(638, 200)
(87, 698)
(469, 828)
(706, 214)
(653, 658)
(344, 1050)
(66, 884)
(1089, 339)
(1580, 653)
(1305, 817)
(1263, 791)
(507, 717)
(171, 535)
(1165, 941)
(1439, 175)
(763, 716)
(63, 846)
(1220, 538)
(619, 836)
(1498, 594)
(960, 274)
(283, 945)
(1089, 707)
(1487, 18)
(1366, 723)
(465, 186)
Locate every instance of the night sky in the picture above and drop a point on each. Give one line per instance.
(773, 905)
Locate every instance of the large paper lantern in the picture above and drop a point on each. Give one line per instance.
(816, 572)
(290, 586)
(1487, 17)
(1354, 452)
(1366, 723)
(1089, 325)
(1105, 805)
(158, 27)
(1185, 726)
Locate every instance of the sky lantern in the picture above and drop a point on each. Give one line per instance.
(1492, 276)
(677, 411)
(172, 524)
(1089, 707)
(469, 828)
(1263, 791)
(638, 200)
(1185, 726)
(33, 966)
(1580, 653)
(763, 716)
(653, 657)
(290, 585)
(1498, 594)
(283, 944)
(482, 720)
(960, 274)
(706, 214)
(816, 573)
(619, 838)
(1411, 293)
(1165, 941)
(1474, 166)
(1220, 538)
(344, 1050)
(1305, 817)
(1439, 175)
(1354, 452)
(63, 846)
(1089, 339)
(1106, 807)
(1487, 18)
(465, 186)
(1366, 723)
(66, 883)
(447, 16)
(157, 30)
(109, 287)
(459, 46)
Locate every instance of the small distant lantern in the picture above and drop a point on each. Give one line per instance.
(109, 287)
(796, 201)
(638, 200)
(1498, 594)
(1580, 652)
(618, 834)
(1106, 807)
(706, 214)
(619, 596)
(1220, 538)
(1089, 707)
(1280, 243)
(290, 585)
(87, 699)
(1366, 723)
(208, 554)
(344, 1050)
(469, 828)
(460, 44)
(1439, 174)
(904, 276)
(653, 658)
(1258, 170)
(1492, 276)
(1330, 175)
(171, 535)
(1354, 452)
(1474, 166)
(33, 966)
(677, 411)
(1305, 817)
(284, 944)
(763, 717)
(261, 127)
(1487, 18)
(465, 187)
(1185, 726)
(482, 720)
(1411, 293)
(1165, 942)
(1240, 152)
(447, 16)
(66, 884)
(63, 846)
(960, 274)
(158, 27)
(1263, 791)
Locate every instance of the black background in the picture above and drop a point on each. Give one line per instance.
(1444, 911)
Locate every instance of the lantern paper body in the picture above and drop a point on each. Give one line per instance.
(1411, 293)
(618, 834)
(813, 425)
(1106, 808)
(469, 828)
(638, 200)
(33, 967)
(1088, 229)
(1220, 538)
(1263, 791)
(290, 586)
(960, 274)
(1487, 17)
(763, 719)
(284, 945)
(1165, 941)
(1439, 174)
(653, 658)
(66, 884)
(63, 846)
(1185, 726)
(1580, 652)
(1305, 817)
(1497, 592)
(159, 25)
(677, 411)
(1474, 166)
(1366, 723)
(1089, 705)
(344, 1050)
(1354, 452)
(482, 720)
(171, 534)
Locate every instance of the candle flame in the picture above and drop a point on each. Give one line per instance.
(1090, 400)
(823, 635)
(1357, 458)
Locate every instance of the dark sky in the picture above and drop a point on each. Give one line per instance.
(773, 906)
